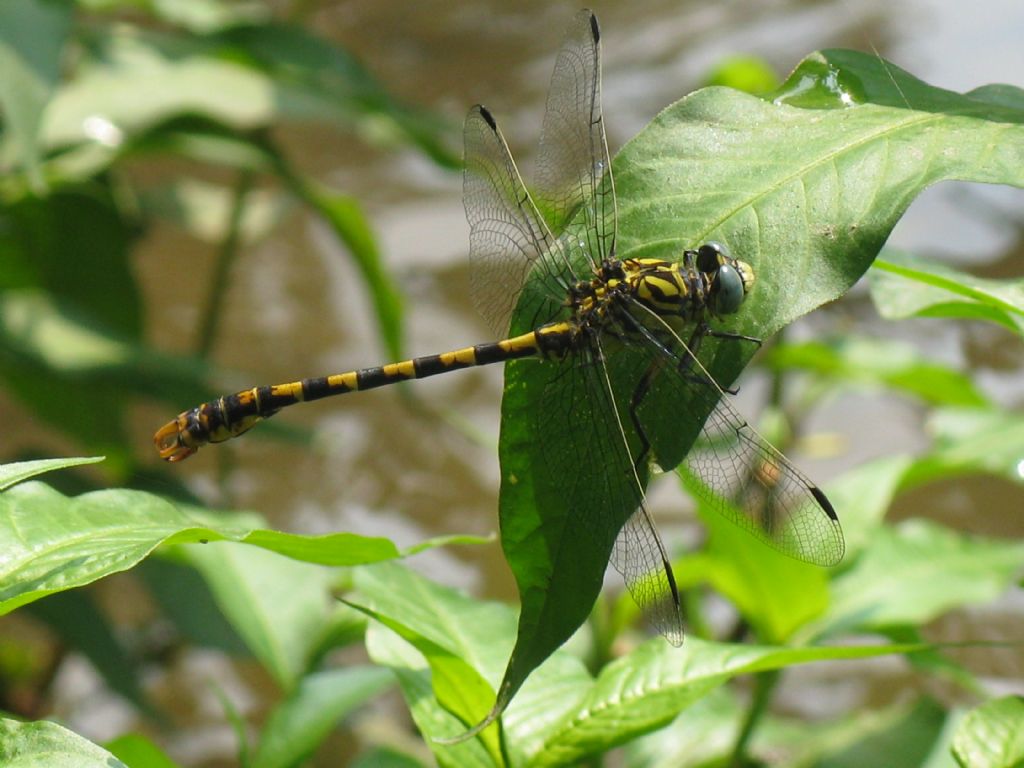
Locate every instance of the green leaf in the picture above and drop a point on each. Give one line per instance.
(776, 594)
(905, 286)
(561, 715)
(19, 471)
(707, 731)
(459, 688)
(749, 74)
(32, 37)
(52, 542)
(131, 80)
(39, 744)
(297, 725)
(135, 80)
(992, 735)
(450, 626)
(388, 649)
(139, 752)
(277, 605)
(853, 360)
(464, 655)
(806, 188)
(647, 689)
(909, 740)
(971, 440)
(935, 569)
(864, 494)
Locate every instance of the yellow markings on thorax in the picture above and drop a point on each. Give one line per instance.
(659, 284)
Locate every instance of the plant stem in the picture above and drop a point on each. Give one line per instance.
(764, 687)
(226, 255)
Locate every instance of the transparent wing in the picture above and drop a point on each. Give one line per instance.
(640, 557)
(507, 236)
(749, 481)
(738, 472)
(573, 170)
(588, 465)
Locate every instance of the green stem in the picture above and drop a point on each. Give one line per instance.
(226, 255)
(764, 687)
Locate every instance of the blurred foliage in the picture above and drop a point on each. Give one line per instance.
(94, 88)
(744, 73)
(88, 98)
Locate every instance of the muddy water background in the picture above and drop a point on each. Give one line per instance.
(296, 306)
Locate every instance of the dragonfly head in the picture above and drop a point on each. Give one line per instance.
(729, 279)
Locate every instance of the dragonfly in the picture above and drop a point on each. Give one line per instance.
(612, 336)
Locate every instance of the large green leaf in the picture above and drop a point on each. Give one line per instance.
(806, 188)
(52, 542)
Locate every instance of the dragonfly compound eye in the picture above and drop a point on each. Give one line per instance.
(711, 255)
(728, 290)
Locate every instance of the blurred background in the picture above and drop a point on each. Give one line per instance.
(194, 301)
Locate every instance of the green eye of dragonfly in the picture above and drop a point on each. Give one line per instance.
(729, 293)
(607, 333)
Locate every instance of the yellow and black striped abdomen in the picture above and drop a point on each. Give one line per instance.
(229, 416)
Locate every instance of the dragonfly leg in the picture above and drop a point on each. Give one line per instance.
(639, 392)
(702, 330)
(732, 336)
(686, 370)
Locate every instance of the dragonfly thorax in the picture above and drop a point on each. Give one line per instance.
(706, 280)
